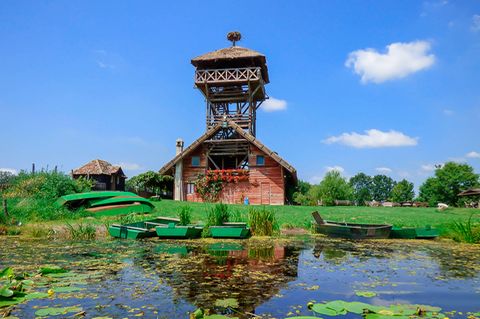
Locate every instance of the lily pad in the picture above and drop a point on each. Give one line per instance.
(379, 316)
(227, 303)
(56, 311)
(5, 302)
(7, 272)
(66, 289)
(52, 270)
(36, 295)
(337, 305)
(357, 307)
(322, 309)
(366, 294)
(5, 292)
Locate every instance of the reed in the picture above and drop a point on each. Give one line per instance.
(263, 222)
(465, 231)
(185, 215)
(81, 231)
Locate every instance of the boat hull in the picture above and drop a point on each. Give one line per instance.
(414, 233)
(179, 232)
(139, 230)
(125, 209)
(229, 232)
(354, 231)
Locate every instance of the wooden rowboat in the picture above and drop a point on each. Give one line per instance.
(230, 230)
(139, 230)
(179, 232)
(351, 230)
(414, 233)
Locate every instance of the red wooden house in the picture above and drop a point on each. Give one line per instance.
(229, 158)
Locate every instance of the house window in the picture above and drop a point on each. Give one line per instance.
(260, 160)
(190, 188)
(195, 160)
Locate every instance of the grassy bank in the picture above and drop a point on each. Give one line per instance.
(300, 216)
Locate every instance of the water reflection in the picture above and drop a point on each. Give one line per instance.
(165, 279)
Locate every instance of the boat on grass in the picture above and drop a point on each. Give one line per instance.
(141, 229)
(351, 230)
(230, 230)
(426, 232)
(125, 209)
(80, 199)
(175, 231)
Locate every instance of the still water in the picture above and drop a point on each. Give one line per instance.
(268, 278)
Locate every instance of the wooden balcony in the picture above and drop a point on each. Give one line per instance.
(227, 76)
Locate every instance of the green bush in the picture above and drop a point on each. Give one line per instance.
(185, 215)
(32, 196)
(262, 221)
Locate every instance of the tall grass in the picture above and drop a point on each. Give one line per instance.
(81, 231)
(217, 215)
(465, 231)
(263, 222)
(185, 215)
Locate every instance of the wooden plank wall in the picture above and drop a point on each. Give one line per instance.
(265, 185)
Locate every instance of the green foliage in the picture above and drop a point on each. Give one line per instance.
(150, 181)
(448, 181)
(12, 286)
(382, 187)
(300, 194)
(403, 191)
(5, 179)
(217, 215)
(32, 196)
(362, 188)
(332, 187)
(185, 215)
(81, 231)
(466, 231)
(262, 221)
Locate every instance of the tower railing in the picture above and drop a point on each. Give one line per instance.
(227, 75)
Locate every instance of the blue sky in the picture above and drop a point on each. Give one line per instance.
(372, 86)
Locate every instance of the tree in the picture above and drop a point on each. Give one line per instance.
(300, 196)
(403, 191)
(362, 188)
(150, 181)
(382, 187)
(332, 187)
(449, 180)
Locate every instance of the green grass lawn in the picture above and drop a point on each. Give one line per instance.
(300, 216)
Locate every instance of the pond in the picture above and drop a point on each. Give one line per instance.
(268, 278)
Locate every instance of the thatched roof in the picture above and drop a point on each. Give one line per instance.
(98, 167)
(247, 136)
(232, 57)
(470, 192)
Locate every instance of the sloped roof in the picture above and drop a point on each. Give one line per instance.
(235, 52)
(247, 136)
(98, 167)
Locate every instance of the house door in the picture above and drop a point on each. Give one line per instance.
(265, 189)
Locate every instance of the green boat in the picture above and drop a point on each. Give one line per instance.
(230, 230)
(119, 200)
(112, 210)
(79, 199)
(426, 232)
(173, 230)
(350, 230)
(139, 230)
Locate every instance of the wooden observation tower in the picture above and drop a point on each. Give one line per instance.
(232, 80)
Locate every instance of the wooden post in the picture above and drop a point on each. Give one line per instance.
(5, 207)
(33, 168)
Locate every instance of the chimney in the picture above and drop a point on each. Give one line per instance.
(179, 146)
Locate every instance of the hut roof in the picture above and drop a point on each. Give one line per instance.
(247, 136)
(232, 57)
(98, 167)
(470, 192)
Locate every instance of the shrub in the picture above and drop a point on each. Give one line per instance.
(217, 215)
(185, 215)
(263, 222)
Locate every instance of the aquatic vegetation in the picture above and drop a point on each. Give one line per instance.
(262, 221)
(56, 311)
(81, 231)
(466, 231)
(366, 294)
(185, 215)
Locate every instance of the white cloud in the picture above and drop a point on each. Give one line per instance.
(400, 60)
(9, 170)
(448, 112)
(383, 170)
(428, 167)
(473, 154)
(373, 138)
(273, 105)
(335, 168)
(129, 166)
(476, 23)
